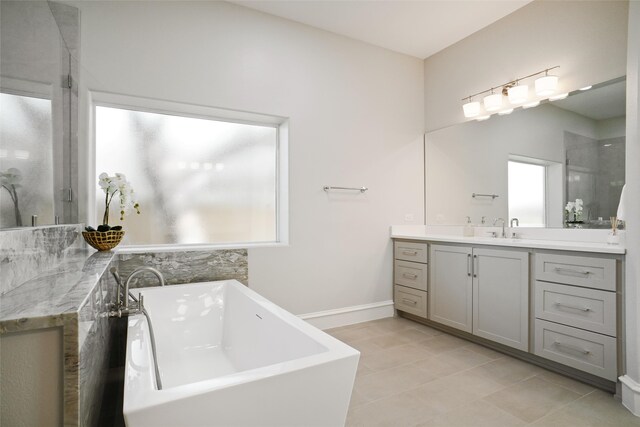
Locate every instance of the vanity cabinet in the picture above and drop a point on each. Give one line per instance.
(410, 277)
(575, 310)
(451, 284)
(481, 291)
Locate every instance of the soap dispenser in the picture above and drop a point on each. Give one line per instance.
(468, 230)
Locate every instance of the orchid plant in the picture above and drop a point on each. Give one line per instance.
(574, 208)
(117, 184)
(10, 181)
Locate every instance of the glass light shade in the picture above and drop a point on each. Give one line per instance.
(530, 104)
(471, 109)
(558, 97)
(586, 88)
(492, 102)
(505, 112)
(546, 85)
(482, 118)
(518, 94)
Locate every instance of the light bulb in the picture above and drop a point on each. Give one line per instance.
(518, 94)
(492, 102)
(546, 85)
(471, 109)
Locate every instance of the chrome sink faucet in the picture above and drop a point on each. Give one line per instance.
(504, 234)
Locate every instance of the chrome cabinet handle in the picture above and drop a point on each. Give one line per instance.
(571, 347)
(469, 265)
(573, 307)
(572, 271)
(411, 253)
(409, 302)
(410, 276)
(475, 266)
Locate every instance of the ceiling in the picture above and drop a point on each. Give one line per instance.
(418, 28)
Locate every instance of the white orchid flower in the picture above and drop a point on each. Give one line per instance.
(113, 185)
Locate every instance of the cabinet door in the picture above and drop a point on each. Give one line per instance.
(501, 296)
(450, 289)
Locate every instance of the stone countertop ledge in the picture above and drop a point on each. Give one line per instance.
(57, 292)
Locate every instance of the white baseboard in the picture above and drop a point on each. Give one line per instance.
(630, 394)
(349, 315)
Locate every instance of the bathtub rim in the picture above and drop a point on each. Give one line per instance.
(141, 393)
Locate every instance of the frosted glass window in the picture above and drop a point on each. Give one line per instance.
(527, 193)
(197, 180)
(26, 145)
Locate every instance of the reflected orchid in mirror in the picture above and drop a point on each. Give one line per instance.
(117, 184)
(10, 181)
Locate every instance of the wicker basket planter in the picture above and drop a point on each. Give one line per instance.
(103, 240)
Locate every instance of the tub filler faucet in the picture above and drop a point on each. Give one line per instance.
(122, 308)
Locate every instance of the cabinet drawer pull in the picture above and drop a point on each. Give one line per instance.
(573, 307)
(476, 266)
(572, 271)
(571, 347)
(410, 276)
(409, 302)
(410, 253)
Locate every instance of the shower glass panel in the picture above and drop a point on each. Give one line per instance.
(595, 174)
(198, 180)
(26, 159)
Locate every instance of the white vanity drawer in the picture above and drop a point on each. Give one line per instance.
(591, 272)
(589, 309)
(409, 251)
(410, 300)
(411, 274)
(587, 351)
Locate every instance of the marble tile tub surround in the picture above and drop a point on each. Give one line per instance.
(187, 266)
(550, 238)
(30, 251)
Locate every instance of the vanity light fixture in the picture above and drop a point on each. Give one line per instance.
(546, 85)
(492, 102)
(505, 112)
(517, 93)
(471, 108)
(482, 118)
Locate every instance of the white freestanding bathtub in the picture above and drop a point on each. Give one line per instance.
(229, 357)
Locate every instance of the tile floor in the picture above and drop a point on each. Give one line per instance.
(413, 375)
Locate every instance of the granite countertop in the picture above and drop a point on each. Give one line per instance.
(59, 291)
(559, 245)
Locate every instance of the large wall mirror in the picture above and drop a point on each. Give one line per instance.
(38, 120)
(532, 163)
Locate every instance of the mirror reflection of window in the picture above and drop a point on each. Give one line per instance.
(26, 159)
(527, 200)
(198, 180)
